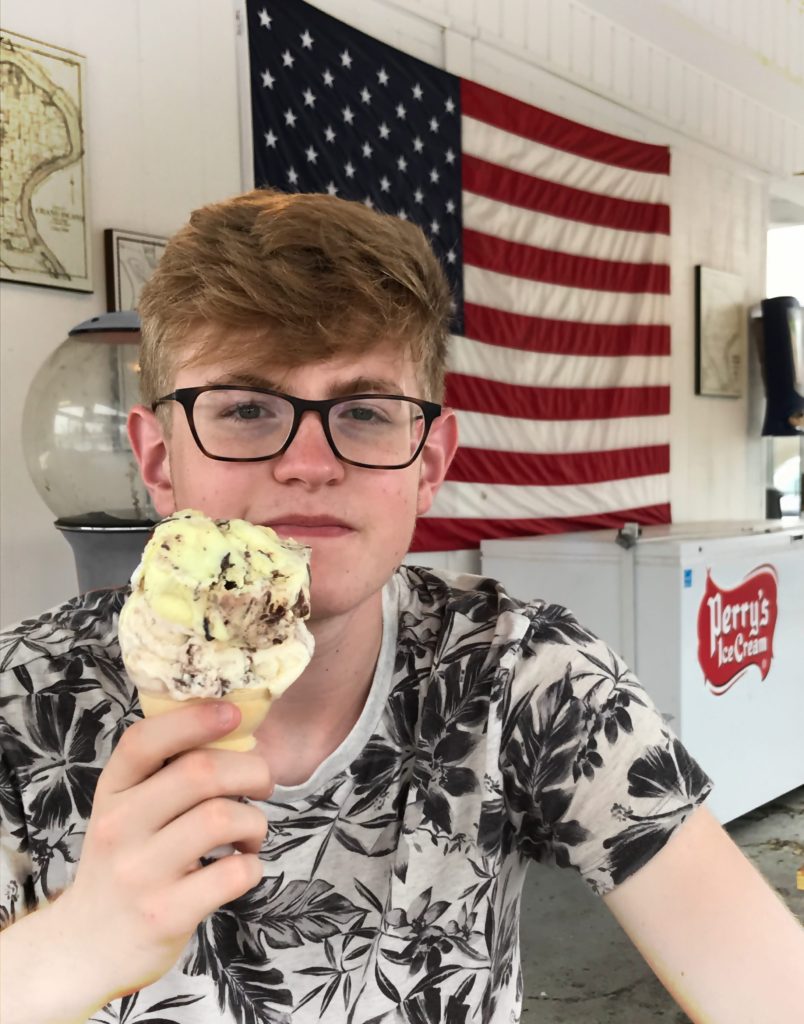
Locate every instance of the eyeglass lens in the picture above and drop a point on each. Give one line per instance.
(241, 424)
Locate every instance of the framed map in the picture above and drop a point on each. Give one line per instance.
(131, 258)
(720, 322)
(44, 229)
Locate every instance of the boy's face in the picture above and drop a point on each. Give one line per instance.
(357, 521)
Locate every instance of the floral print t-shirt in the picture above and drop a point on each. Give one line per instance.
(495, 733)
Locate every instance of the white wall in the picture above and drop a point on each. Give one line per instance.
(162, 138)
(722, 86)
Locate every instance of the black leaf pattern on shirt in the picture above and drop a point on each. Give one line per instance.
(132, 1009)
(247, 986)
(669, 774)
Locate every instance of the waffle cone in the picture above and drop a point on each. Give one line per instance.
(254, 704)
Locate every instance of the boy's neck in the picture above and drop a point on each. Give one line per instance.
(316, 714)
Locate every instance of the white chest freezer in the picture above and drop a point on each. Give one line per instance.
(710, 616)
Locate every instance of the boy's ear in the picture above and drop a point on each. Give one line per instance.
(153, 457)
(442, 443)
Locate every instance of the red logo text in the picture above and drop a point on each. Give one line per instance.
(735, 628)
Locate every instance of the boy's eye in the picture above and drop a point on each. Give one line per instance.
(248, 411)
(361, 413)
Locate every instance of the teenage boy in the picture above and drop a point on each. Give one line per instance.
(443, 736)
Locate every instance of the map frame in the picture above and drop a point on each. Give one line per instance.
(720, 333)
(124, 280)
(47, 246)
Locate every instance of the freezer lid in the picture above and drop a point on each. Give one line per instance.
(598, 542)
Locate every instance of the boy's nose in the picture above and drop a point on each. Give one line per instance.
(309, 456)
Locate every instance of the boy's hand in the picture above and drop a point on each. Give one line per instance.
(140, 892)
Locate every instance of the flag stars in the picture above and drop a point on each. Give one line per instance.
(311, 155)
(346, 59)
(309, 97)
(367, 202)
(385, 184)
(329, 133)
(382, 76)
(328, 77)
(349, 169)
(433, 124)
(270, 140)
(290, 119)
(402, 215)
(384, 130)
(268, 79)
(435, 227)
(449, 156)
(292, 176)
(417, 92)
(331, 188)
(365, 95)
(367, 150)
(306, 40)
(401, 112)
(288, 59)
(434, 176)
(451, 256)
(418, 145)
(402, 164)
(348, 115)
(450, 206)
(418, 195)
(449, 106)
(265, 19)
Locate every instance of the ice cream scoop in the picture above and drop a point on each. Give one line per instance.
(217, 609)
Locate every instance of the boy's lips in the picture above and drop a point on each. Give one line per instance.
(310, 526)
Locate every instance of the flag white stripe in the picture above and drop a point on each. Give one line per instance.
(550, 370)
(527, 227)
(510, 501)
(555, 437)
(520, 154)
(559, 302)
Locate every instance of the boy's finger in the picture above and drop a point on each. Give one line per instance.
(145, 746)
(192, 778)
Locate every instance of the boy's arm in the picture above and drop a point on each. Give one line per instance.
(139, 891)
(716, 935)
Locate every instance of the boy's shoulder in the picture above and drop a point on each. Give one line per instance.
(87, 622)
(462, 610)
(462, 593)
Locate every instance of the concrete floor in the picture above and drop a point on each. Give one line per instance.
(578, 965)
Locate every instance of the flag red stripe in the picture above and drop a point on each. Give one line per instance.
(537, 334)
(527, 261)
(435, 534)
(531, 193)
(484, 466)
(521, 118)
(476, 394)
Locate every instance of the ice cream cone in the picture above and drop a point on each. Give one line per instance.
(254, 705)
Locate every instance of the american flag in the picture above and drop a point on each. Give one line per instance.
(555, 239)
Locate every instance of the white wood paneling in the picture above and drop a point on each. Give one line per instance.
(603, 53)
(718, 71)
(537, 31)
(581, 28)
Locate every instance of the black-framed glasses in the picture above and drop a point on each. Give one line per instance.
(239, 424)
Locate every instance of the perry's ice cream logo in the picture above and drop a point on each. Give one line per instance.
(735, 628)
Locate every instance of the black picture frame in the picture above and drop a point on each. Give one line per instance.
(720, 333)
(131, 257)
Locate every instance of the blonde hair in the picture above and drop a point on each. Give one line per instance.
(295, 278)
